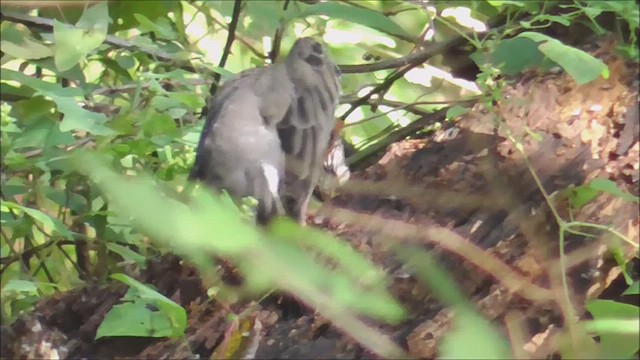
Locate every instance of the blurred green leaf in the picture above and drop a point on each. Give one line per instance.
(619, 341)
(473, 337)
(352, 279)
(209, 224)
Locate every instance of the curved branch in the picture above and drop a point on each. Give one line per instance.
(417, 58)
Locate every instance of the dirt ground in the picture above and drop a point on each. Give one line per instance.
(469, 181)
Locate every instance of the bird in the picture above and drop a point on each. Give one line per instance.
(268, 130)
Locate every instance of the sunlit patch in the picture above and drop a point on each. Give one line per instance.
(93, 71)
(196, 28)
(429, 34)
(266, 44)
(424, 76)
(246, 21)
(355, 35)
(299, 29)
(462, 15)
(354, 134)
(364, 91)
(419, 76)
(397, 117)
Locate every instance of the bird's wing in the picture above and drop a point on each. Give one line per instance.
(305, 130)
(239, 148)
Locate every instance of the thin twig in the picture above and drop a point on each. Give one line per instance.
(277, 38)
(231, 35)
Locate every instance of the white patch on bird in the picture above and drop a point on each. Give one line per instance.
(271, 174)
(343, 174)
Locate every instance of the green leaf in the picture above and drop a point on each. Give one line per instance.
(162, 103)
(584, 194)
(95, 23)
(159, 124)
(44, 134)
(123, 12)
(161, 27)
(49, 222)
(581, 195)
(147, 313)
(44, 86)
(577, 63)
(29, 49)
(473, 337)
(73, 44)
(134, 319)
(68, 53)
(512, 56)
(32, 110)
(366, 17)
(634, 289)
(534, 135)
(28, 287)
(66, 199)
(77, 118)
(621, 340)
(455, 111)
(499, 3)
(125, 61)
(189, 99)
(20, 286)
(611, 188)
(126, 253)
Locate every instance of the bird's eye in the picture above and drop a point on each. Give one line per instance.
(313, 60)
(317, 48)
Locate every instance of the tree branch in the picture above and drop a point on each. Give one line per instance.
(231, 35)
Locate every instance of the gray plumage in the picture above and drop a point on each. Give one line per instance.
(267, 131)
